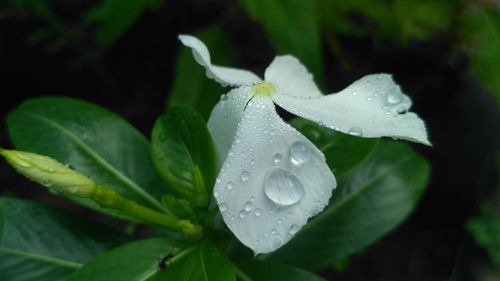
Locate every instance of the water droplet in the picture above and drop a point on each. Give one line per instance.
(257, 212)
(245, 175)
(242, 214)
(273, 231)
(276, 242)
(394, 97)
(252, 199)
(402, 110)
(69, 166)
(248, 206)
(294, 229)
(223, 97)
(223, 207)
(354, 93)
(163, 137)
(289, 214)
(280, 221)
(299, 153)
(355, 131)
(217, 180)
(252, 162)
(237, 140)
(216, 194)
(230, 185)
(277, 158)
(282, 187)
(46, 183)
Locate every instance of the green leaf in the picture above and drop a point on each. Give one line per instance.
(485, 228)
(481, 29)
(190, 85)
(91, 139)
(291, 28)
(203, 262)
(115, 17)
(255, 270)
(370, 201)
(343, 152)
(41, 243)
(183, 152)
(136, 261)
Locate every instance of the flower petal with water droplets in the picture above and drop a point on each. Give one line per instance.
(291, 77)
(272, 180)
(225, 117)
(221, 74)
(373, 106)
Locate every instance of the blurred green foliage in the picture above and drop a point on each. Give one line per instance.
(486, 231)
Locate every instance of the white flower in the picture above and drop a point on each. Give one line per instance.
(272, 178)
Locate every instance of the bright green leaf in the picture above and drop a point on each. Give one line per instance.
(91, 139)
(190, 85)
(136, 261)
(183, 152)
(203, 262)
(370, 201)
(291, 28)
(342, 151)
(255, 270)
(44, 244)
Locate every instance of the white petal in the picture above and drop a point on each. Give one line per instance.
(373, 106)
(223, 75)
(272, 181)
(225, 117)
(291, 77)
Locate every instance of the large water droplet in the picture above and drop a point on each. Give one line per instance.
(223, 207)
(243, 214)
(230, 185)
(355, 131)
(394, 97)
(257, 212)
(299, 153)
(277, 158)
(248, 206)
(245, 175)
(282, 187)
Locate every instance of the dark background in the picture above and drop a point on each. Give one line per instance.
(132, 77)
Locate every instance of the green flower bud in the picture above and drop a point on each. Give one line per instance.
(50, 173)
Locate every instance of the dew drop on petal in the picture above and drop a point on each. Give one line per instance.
(294, 229)
(282, 187)
(276, 241)
(230, 185)
(394, 97)
(257, 212)
(243, 214)
(252, 162)
(299, 153)
(277, 158)
(223, 207)
(355, 131)
(248, 206)
(245, 175)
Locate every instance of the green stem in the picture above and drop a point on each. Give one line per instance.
(109, 198)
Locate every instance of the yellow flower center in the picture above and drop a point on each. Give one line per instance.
(264, 88)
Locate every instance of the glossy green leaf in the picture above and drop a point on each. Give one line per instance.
(91, 139)
(183, 152)
(190, 85)
(342, 151)
(203, 262)
(115, 17)
(41, 243)
(136, 261)
(255, 270)
(369, 201)
(481, 29)
(291, 28)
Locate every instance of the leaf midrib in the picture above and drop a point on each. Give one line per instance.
(41, 258)
(123, 178)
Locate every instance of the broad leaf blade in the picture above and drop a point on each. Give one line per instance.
(40, 243)
(291, 28)
(182, 149)
(370, 201)
(256, 270)
(190, 85)
(136, 261)
(204, 262)
(343, 152)
(91, 139)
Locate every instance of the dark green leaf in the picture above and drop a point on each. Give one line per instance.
(203, 262)
(342, 151)
(183, 152)
(370, 201)
(91, 139)
(255, 270)
(485, 229)
(116, 16)
(291, 28)
(136, 261)
(40, 243)
(190, 85)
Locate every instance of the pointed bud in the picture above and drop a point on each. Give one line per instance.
(50, 173)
